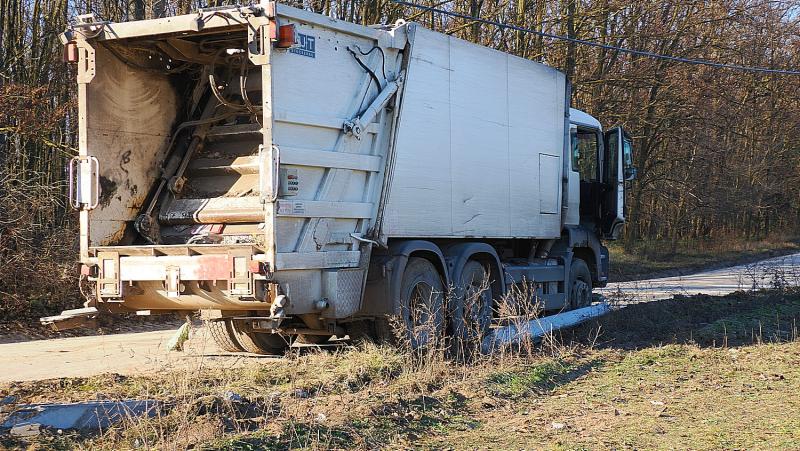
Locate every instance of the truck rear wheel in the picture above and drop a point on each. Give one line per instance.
(222, 333)
(421, 304)
(580, 284)
(264, 343)
(472, 312)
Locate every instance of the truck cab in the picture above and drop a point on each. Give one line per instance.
(599, 165)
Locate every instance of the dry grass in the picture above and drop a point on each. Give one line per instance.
(632, 379)
(38, 275)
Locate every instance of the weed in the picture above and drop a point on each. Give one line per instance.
(521, 382)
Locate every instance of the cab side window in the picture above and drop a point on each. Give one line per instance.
(584, 155)
(612, 167)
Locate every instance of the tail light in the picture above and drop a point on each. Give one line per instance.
(71, 52)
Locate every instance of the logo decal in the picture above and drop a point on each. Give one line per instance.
(306, 46)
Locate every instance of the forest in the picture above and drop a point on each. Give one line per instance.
(717, 149)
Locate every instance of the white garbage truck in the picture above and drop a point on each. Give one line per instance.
(287, 175)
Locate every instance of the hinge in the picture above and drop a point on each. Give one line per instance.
(86, 62)
(172, 281)
(260, 32)
(241, 279)
(108, 280)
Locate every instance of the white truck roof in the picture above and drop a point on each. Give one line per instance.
(579, 117)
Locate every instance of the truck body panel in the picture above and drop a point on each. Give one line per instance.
(479, 144)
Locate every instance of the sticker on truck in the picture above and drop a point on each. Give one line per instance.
(290, 182)
(306, 46)
(289, 208)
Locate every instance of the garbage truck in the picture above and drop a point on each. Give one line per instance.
(292, 176)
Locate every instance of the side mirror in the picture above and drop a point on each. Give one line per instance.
(630, 173)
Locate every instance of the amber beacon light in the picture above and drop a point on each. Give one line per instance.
(286, 36)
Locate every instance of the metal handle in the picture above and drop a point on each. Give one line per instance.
(276, 160)
(76, 195)
(93, 161)
(73, 201)
(261, 174)
(276, 174)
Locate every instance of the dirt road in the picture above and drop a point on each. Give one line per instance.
(143, 352)
(124, 353)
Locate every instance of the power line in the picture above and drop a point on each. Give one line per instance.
(644, 53)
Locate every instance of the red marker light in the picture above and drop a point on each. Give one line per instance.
(71, 52)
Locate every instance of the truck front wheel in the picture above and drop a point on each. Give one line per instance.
(580, 284)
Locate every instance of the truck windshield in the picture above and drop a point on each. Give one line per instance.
(584, 154)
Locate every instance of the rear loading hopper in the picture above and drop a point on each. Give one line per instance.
(201, 189)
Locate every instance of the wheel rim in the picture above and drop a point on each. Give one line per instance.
(419, 317)
(478, 297)
(475, 301)
(580, 293)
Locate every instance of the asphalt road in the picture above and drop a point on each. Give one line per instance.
(771, 273)
(145, 352)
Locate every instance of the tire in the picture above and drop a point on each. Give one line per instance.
(580, 285)
(223, 335)
(313, 339)
(361, 330)
(264, 343)
(471, 314)
(421, 304)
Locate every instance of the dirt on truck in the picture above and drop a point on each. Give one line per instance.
(292, 175)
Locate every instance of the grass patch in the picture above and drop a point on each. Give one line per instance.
(670, 397)
(764, 321)
(294, 436)
(525, 380)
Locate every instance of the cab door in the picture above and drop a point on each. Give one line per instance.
(617, 169)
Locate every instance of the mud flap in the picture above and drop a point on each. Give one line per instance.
(71, 319)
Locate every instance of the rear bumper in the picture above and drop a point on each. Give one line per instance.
(181, 277)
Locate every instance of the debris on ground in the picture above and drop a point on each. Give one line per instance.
(180, 337)
(71, 319)
(535, 329)
(238, 413)
(91, 416)
(7, 403)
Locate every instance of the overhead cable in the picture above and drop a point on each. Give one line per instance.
(643, 53)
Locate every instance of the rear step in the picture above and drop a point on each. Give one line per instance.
(71, 319)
